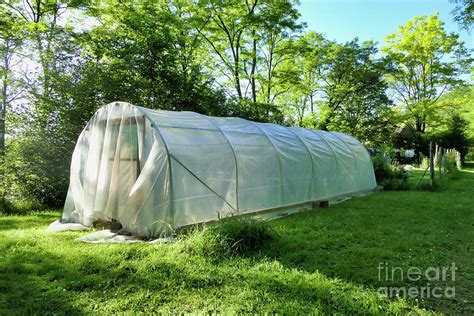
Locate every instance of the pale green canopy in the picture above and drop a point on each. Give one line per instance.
(154, 169)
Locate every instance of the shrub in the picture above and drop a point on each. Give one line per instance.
(453, 164)
(20, 207)
(470, 154)
(35, 169)
(389, 176)
(395, 184)
(381, 168)
(6, 207)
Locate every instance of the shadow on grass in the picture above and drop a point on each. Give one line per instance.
(50, 273)
(468, 164)
(391, 230)
(30, 283)
(28, 220)
(134, 279)
(345, 242)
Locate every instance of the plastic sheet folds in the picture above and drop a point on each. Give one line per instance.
(155, 170)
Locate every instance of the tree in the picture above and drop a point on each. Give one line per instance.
(455, 137)
(341, 86)
(10, 42)
(142, 54)
(463, 13)
(243, 40)
(353, 77)
(278, 22)
(425, 62)
(454, 119)
(303, 84)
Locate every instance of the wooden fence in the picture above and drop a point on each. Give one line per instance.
(438, 158)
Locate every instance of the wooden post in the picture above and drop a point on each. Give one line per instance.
(440, 157)
(431, 164)
(445, 163)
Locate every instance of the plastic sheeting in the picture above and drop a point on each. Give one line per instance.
(156, 170)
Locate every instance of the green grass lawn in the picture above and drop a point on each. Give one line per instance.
(323, 261)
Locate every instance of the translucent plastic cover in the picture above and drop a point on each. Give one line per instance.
(152, 169)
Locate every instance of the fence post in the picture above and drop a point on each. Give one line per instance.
(458, 160)
(440, 157)
(431, 164)
(445, 163)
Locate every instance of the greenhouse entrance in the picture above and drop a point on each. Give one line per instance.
(122, 160)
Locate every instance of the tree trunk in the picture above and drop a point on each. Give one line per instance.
(2, 125)
(236, 68)
(324, 124)
(3, 106)
(237, 82)
(254, 66)
(418, 125)
(269, 74)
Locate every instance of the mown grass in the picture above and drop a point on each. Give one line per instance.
(323, 261)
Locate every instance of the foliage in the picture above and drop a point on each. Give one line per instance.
(141, 53)
(33, 165)
(455, 137)
(355, 87)
(389, 176)
(470, 154)
(11, 39)
(464, 13)
(6, 207)
(341, 86)
(458, 101)
(243, 41)
(258, 112)
(425, 62)
(452, 164)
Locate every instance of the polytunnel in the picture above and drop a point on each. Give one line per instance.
(152, 169)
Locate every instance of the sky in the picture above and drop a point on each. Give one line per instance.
(342, 20)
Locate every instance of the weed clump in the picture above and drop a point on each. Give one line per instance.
(232, 236)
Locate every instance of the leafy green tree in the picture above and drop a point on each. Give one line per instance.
(304, 84)
(35, 159)
(10, 42)
(337, 87)
(425, 63)
(464, 13)
(138, 56)
(456, 136)
(453, 121)
(352, 77)
(243, 42)
(276, 28)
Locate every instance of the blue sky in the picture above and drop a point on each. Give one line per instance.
(342, 20)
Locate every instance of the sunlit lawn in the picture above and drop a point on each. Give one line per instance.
(323, 261)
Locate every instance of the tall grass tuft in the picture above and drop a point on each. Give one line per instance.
(232, 236)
